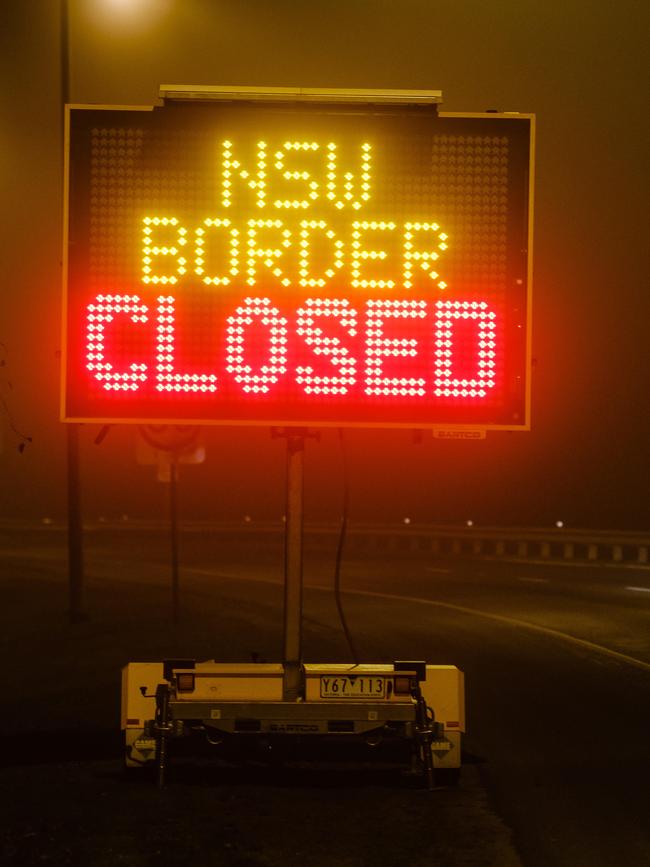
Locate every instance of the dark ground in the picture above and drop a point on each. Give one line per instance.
(84, 812)
(66, 799)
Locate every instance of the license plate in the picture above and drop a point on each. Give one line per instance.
(353, 686)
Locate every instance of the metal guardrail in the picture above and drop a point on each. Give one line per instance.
(518, 543)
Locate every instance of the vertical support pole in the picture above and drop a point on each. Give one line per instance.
(173, 529)
(162, 729)
(64, 52)
(75, 532)
(75, 529)
(293, 568)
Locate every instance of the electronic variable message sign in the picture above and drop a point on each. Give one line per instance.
(315, 262)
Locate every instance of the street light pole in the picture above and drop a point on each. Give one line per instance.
(75, 528)
(64, 54)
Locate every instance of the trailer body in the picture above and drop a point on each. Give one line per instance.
(412, 704)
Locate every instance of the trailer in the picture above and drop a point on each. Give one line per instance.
(241, 708)
(332, 259)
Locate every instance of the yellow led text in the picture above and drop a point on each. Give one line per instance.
(224, 253)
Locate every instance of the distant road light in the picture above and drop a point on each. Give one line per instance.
(470, 523)
(407, 520)
(559, 524)
(131, 6)
(137, 14)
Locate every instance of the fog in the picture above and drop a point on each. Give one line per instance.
(579, 66)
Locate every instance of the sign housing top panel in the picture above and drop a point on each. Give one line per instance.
(202, 92)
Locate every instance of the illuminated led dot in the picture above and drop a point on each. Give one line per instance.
(423, 259)
(359, 227)
(378, 347)
(229, 166)
(166, 379)
(268, 374)
(165, 250)
(330, 347)
(267, 255)
(304, 244)
(102, 312)
(446, 385)
(303, 176)
(348, 185)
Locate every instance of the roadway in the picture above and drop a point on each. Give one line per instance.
(556, 658)
(557, 664)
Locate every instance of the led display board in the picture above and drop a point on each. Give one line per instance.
(297, 263)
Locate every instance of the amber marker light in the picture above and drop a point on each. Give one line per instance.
(184, 682)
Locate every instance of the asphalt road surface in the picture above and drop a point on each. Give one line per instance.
(556, 658)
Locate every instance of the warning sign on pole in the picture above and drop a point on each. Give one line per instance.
(332, 261)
